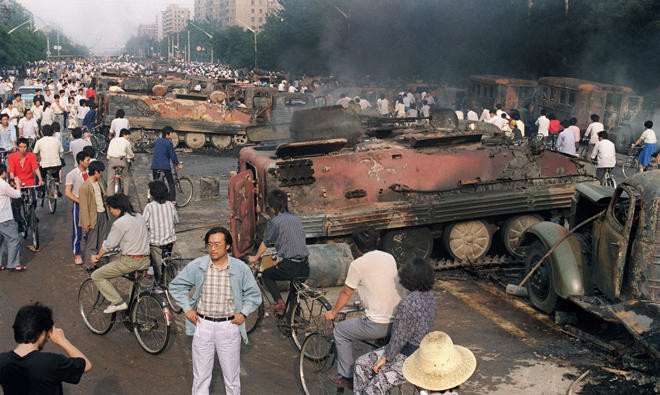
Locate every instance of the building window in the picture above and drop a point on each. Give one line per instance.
(252, 10)
(252, 2)
(252, 19)
(261, 19)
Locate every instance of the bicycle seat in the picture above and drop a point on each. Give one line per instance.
(167, 250)
(135, 276)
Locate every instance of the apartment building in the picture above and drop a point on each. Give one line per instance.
(225, 13)
(173, 20)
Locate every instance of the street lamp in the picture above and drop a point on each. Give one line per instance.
(15, 28)
(209, 35)
(255, 40)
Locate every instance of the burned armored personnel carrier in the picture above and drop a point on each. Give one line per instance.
(415, 184)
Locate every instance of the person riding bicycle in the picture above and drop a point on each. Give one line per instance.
(160, 216)
(7, 134)
(23, 164)
(605, 153)
(650, 145)
(119, 154)
(49, 150)
(284, 232)
(118, 124)
(163, 154)
(374, 274)
(129, 233)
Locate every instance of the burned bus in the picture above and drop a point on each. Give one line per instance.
(511, 93)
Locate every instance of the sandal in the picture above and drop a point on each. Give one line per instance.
(3, 268)
(17, 269)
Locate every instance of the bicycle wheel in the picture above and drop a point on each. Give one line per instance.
(254, 319)
(630, 166)
(184, 190)
(26, 222)
(51, 191)
(170, 270)
(308, 316)
(91, 304)
(315, 362)
(151, 324)
(34, 225)
(117, 186)
(610, 182)
(98, 143)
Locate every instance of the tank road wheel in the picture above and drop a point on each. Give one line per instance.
(404, 244)
(221, 142)
(513, 230)
(444, 118)
(175, 139)
(195, 140)
(240, 139)
(469, 240)
(540, 285)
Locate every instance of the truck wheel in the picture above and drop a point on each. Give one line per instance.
(195, 140)
(469, 240)
(540, 285)
(220, 142)
(513, 230)
(404, 244)
(175, 139)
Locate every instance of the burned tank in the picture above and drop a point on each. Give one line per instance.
(416, 184)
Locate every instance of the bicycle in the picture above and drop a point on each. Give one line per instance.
(28, 214)
(51, 192)
(147, 316)
(318, 356)
(99, 140)
(170, 268)
(608, 179)
(117, 182)
(304, 311)
(631, 164)
(182, 185)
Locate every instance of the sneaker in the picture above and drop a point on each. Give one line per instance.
(340, 381)
(78, 260)
(113, 308)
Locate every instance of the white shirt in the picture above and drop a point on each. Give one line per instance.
(37, 112)
(280, 87)
(6, 194)
(543, 123)
(364, 104)
(343, 102)
(606, 154)
(292, 89)
(29, 127)
(49, 149)
(400, 109)
(82, 111)
(12, 113)
(592, 132)
(48, 117)
(78, 98)
(383, 106)
(649, 137)
(120, 147)
(500, 112)
(460, 115)
(75, 179)
(472, 116)
(376, 279)
(485, 115)
(118, 124)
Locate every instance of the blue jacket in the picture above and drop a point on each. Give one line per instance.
(246, 294)
(163, 154)
(89, 119)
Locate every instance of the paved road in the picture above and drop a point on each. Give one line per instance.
(518, 351)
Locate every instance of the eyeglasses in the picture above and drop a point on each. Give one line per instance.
(211, 246)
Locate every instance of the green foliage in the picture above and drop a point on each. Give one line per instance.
(234, 46)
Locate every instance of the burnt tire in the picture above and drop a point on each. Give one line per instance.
(540, 285)
(407, 243)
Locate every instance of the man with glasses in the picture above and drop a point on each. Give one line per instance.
(225, 293)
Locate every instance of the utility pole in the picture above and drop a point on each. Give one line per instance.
(58, 44)
(48, 44)
(188, 46)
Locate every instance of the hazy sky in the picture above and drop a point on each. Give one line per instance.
(101, 25)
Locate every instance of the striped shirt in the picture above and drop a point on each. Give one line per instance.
(285, 232)
(216, 299)
(160, 219)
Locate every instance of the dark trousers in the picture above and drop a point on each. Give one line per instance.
(286, 270)
(170, 181)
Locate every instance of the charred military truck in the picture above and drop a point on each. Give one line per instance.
(413, 185)
(611, 268)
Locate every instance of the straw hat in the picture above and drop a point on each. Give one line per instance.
(438, 364)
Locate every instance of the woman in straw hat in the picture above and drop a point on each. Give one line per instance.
(378, 371)
(438, 366)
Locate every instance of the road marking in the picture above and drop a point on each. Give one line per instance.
(508, 326)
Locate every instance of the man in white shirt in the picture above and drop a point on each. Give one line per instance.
(119, 154)
(374, 274)
(383, 105)
(118, 124)
(37, 111)
(12, 112)
(79, 97)
(7, 134)
(543, 123)
(459, 114)
(592, 132)
(485, 114)
(47, 116)
(343, 100)
(605, 153)
(364, 103)
(650, 141)
(27, 127)
(74, 180)
(472, 116)
(8, 227)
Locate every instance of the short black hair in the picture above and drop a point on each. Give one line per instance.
(3, 169)
(219, 229)
(124, 132)
(158, 190)
(573, 121)
(31, 321)
(90, 150)
(365, 238)
(595, 117)
(278, 201)
(47, 130)
(22, 140)
(602, 134)
(417, 275)
(121, 202)
(120, 113)
(95, 167)
(5, 115)
(76, 133)
(648, 124)
(543, 112)
(564, 123)
(80, 156)
(166, 130)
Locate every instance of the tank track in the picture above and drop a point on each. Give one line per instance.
(488, 260)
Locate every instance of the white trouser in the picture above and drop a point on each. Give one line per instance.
(225, 339)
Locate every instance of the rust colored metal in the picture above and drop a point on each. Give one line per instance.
(511, 93)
